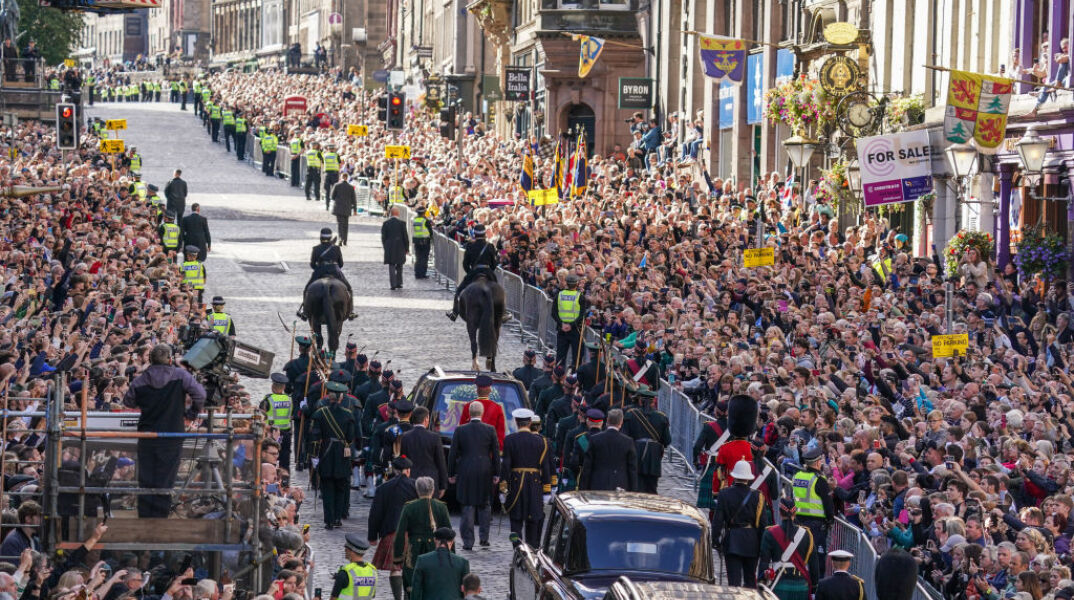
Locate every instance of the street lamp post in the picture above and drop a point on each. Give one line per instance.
(1031, 150)
(963, 159)
(800, 150)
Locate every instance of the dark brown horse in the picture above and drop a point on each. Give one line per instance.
(481, 306)
(327, 303)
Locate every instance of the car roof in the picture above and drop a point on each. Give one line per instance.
(591, 504)
(684, 590)
(465, 375)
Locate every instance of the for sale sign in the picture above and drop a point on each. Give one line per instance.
(895, 168)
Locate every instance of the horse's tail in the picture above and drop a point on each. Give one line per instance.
(328, 314)
(486, 329)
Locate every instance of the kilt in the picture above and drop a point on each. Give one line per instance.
(704, 487)
(791, 587)
(382, 558)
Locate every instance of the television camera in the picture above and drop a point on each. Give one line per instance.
(215, 358)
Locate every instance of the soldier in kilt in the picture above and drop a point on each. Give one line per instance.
(794, 576)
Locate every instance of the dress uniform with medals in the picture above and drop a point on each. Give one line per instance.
(841, 585)
(334, 432)
(438, 574)
(813, 499)
(651, 432)
(788, 561)
(277, 407)
(357, 579)
(527, 373)
(526, 475)
(738, 521)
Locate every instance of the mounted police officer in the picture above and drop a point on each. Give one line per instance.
(788, 560)
(326, 260)
(277, 407)
(737, 525)
(651, 432)
(422, 244)
(479, 259)
(813, 499)
(569, 313)
(841, 585)
(357, 579)
(334, 432)
(193, 271)
(528, 372)
(219, 320)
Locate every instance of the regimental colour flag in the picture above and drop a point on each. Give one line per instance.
(526, 179)
(723, 58)
(977, 110)
(589, 53)
(787, 196)
(581, 173)
(557, 172)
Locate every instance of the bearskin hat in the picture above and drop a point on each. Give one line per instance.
(742, 416)
(895, 575)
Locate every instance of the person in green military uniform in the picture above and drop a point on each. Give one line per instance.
(300, 375)
(357, 579)
(220, 321)
(561, 406)
(422, 244)
(313, 171)
(193, 271)
(278, 407)
(333, 432)
(578, 445)
(651, 432)
(438, 574)
(295, 145)
(269, 142)
(169, 235)
(788, 562)
(528, 372)
(550, 394)
(417, 523)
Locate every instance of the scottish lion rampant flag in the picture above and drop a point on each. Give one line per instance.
(723, 58)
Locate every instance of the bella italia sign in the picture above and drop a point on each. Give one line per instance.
(895, 168)
(517, 84)
(635, 92)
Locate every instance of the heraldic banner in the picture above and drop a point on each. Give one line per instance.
(977, 110)
(723, 58)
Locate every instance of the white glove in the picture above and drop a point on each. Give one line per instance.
(547, 498)
(302, 405)
(315, 461)
(503, 498)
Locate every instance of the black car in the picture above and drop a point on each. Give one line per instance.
(592, 538)
(627, 589)
(445, 394)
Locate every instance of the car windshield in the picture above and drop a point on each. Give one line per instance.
(659, 545)
(454, 395)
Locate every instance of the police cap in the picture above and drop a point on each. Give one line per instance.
(404, 406)
(572, 279)
(522, 414)
(326, 232)
(190, 250)
(152, 187)
(218, 300)
(278, 378)
(479, 231)
(356, 544)
(811, 455)
(840, 555)
(170, 214)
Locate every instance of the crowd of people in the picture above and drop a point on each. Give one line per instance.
(964, 459)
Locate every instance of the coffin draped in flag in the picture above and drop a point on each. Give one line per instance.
(977, 110)
(723, 58)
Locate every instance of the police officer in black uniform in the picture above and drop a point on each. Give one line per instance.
(819, 525)
(334, 431)
(326, 260)
(737, 524)
(479, 259)
(651, 432)
(528, 372)
(841, 585)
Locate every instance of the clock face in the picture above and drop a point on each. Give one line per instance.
(860, 114)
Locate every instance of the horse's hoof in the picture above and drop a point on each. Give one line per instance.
(352, 316)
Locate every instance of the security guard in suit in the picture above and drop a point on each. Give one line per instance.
(478, 259)
(219, 320)
(193, 271)
(333, 433)
(737, 525)
(278, 408)
(422, 244)
(813, 499)
(528, 372)
(651, 432)
(169, 234)
(841, 585)
(569, 313)
(313, 171)
(357, 579)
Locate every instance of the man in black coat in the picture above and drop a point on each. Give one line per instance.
(611, 461)
(175, 193)
(396, 242)
(425, 450)
(525, 477)
(195, 230)
(384, 514)
(474, 467)
(738, 521)
(326, 260)
(344, 198)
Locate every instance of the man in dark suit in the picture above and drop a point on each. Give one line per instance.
(388, 504)
(175, 192)
(196, 232)
(611, 461)
(344, 198)
(396, 242)
(841, 585)
(474, 467)
(425, 450)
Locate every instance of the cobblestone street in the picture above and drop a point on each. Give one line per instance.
(262, 232)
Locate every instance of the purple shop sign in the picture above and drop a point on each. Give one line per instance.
(895, 168)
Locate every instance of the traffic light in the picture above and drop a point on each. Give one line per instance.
(66, 127)
(447, 122)
(382, 109)
(396, 110)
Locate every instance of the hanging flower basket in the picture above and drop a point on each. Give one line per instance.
(1041, 252)
(963, 241)
(834, 187)
(799, 104)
